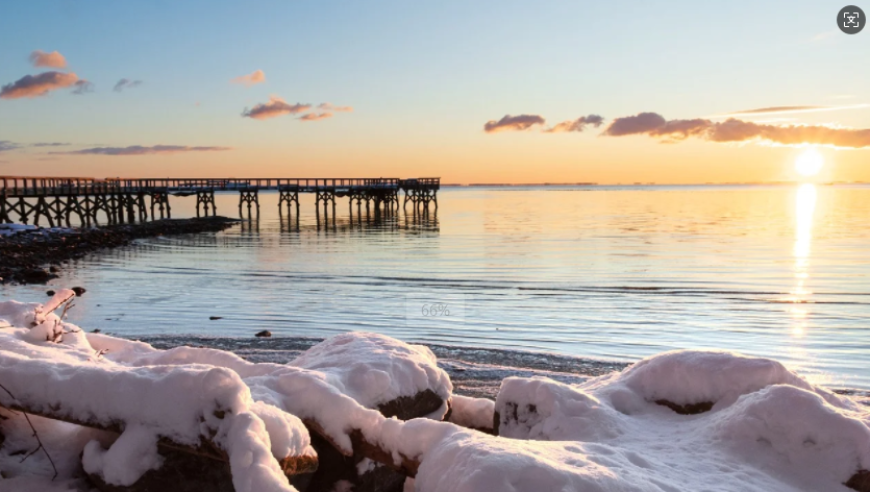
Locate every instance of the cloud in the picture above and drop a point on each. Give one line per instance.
(49, 144)
(141, 150)
(577, 125)
(83, 86)
(734, 130)
(274, 108)
(329, 107)
(37, 85)
(126, 84)
(6, 145)
(315, 116)
(513, 123)
(54, 59)
(632, 125)
(790, 109)
(257, 77)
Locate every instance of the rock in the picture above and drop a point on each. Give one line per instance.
(96, 330)
(53, 269)
(860, 481)
(411, 407)
(264, 334)
(218, 317)
(49, 293)
(35, 276)
(80, 291)
(687, 409)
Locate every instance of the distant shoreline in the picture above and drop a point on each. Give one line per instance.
(603, 185)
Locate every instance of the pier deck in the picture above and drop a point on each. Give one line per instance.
(59, 199)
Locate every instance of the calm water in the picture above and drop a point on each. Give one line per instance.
(602, 272)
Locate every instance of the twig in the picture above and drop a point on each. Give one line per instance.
(66, 307)
(35, 434)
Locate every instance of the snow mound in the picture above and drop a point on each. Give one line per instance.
(693, 376)
(769, 430)
(375, 369)
(540, 408)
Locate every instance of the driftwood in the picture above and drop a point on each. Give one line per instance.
(291, 465)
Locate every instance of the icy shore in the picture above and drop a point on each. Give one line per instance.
(685, 420)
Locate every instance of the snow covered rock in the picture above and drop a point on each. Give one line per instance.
(474, 413)
(397, 379)
(380, 372)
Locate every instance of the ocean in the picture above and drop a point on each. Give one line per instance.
(609, 273)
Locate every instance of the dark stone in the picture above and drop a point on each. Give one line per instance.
(49, 293)
(53, 269)
(181, 472)
(80, 291)
(215, 317)
(264, 333)
(410, 407)
(96, 330)
(860, 481)
(35, 275)
(687, 409)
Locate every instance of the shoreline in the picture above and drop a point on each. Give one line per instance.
(34, 255)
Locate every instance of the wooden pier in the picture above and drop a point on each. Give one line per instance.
(58, 200)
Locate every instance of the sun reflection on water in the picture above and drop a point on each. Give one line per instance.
(805, 208)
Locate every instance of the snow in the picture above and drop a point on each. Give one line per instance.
(475, 413)
(374, 369)
(767, 430)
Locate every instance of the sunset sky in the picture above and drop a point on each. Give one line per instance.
(483, 91)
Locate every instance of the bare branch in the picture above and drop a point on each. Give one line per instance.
(35, 434)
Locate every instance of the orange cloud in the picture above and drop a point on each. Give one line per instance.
(734, 130)
(513, 123)
(315, 116)
(142, 150)
(54, 59)
(274, 108)
(257, 77)
(329, 107)
(577, 125)
(37, 85)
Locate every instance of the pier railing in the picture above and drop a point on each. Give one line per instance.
(53, 186)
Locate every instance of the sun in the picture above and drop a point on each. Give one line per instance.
(809, 163)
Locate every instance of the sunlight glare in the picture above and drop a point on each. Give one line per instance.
(809, 163)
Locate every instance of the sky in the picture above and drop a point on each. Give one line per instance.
(472, 92)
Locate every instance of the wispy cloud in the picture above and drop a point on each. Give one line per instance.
(577, 125)
(257, 77)
(83, 86)
(274, 108)
(141, 150)
(330, 107)
(790, 109)
(513, 123)
(50, 144)
(315, 116)
(54, 59)
(37, 85)
(6, 145)
(734, 130)
(126, 84)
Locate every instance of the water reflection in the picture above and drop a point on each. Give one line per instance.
(805, 208)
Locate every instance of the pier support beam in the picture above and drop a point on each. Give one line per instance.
(288, 196)
(161, 200)
(205, 198)
(251, 197)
